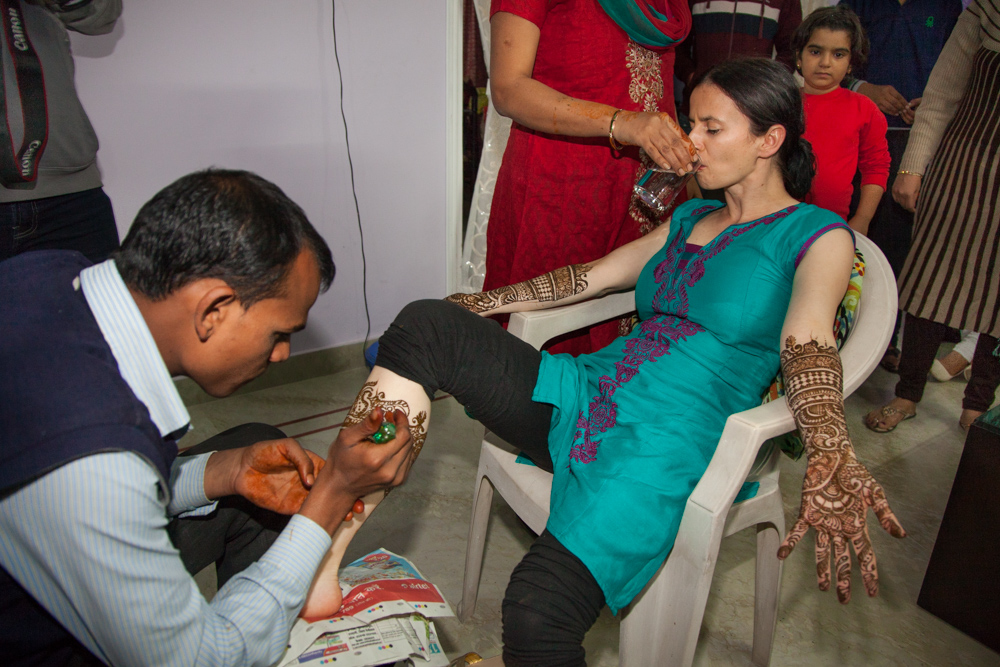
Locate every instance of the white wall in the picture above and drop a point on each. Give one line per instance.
(253, 84)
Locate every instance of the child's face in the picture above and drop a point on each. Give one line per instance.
(825, 60)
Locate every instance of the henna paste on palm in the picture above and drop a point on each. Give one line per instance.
(370, 398)
(838, 489)
(552, 286)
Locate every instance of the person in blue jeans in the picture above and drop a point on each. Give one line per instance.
(51, 196)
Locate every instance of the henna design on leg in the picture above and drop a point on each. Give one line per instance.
(553, 286)
(370, 398)
(837, 489)
(324, 595)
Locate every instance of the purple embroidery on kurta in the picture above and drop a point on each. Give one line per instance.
(655, 335)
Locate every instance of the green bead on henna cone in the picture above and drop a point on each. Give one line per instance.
(385, 433)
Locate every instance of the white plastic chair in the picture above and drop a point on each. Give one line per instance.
(661, 626)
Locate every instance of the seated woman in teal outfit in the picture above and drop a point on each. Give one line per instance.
(726, 293)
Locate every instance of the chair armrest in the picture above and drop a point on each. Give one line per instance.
(741, 439)
(539, 326)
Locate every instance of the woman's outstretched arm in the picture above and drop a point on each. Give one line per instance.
(615, 272)
(837, 490)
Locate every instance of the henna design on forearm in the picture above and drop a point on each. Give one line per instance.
(370, 398)
(552, 286)
(837, 490)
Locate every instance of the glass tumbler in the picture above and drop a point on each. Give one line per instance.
(658, 187)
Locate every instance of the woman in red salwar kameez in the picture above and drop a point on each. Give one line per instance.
(562, 70)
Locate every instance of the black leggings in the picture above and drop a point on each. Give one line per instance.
(552, 598)
(921, 341)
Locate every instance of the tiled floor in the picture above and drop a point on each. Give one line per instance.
(427, 521)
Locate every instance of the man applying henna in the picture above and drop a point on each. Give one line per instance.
(101, 523)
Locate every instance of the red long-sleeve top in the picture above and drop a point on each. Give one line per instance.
(847, 133)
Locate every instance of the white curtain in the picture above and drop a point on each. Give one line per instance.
(494, 143)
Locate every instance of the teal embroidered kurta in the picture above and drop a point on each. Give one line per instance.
(636, 423)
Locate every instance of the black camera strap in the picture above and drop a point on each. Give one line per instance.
(22, 167)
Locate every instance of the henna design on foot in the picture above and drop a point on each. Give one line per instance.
(552, 286)
(837, 490)
(324, 596)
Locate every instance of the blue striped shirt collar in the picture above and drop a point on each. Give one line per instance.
(133, 347)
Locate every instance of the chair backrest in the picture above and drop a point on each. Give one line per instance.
(747, 431)
(874, 320)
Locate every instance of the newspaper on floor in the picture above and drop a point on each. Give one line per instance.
(384, 619)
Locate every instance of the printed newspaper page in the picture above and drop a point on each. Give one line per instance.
(384, 619)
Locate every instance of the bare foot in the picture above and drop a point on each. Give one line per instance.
(968, 416)
(388, 391)
(888, 417)
(324, 597)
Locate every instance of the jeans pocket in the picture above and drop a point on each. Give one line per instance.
(26, 221)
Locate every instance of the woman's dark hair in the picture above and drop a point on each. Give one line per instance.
(766, 93)
(840, 18)
(230, 225)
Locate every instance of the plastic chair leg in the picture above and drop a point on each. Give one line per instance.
(767, 586)
(474, 550)
(662, 626)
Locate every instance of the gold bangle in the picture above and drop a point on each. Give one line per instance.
(611, 132)
(908, 173)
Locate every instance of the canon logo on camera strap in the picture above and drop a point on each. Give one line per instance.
(17, 29)
(21, 166)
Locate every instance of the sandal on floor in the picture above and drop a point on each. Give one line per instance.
(467, 659)
(890, 360)
(965, 421)
(884, 412)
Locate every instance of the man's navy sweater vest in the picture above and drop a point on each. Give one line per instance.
(61, 398)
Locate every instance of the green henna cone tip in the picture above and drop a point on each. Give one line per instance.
(385, 433)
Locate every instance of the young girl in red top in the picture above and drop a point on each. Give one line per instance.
(846, 129)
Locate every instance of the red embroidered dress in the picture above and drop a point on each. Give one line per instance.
(566, 200)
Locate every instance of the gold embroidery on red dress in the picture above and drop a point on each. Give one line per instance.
(646, 87)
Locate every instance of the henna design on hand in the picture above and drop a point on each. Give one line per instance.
(552, 286)
(370, 398)
(837, 490)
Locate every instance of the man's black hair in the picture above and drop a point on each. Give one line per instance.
(219, 223)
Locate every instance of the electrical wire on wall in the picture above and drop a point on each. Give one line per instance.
(350, 163)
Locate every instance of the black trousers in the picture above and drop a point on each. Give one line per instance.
(552, 598)
(238, 532)
(920, 346)
(891, 228)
